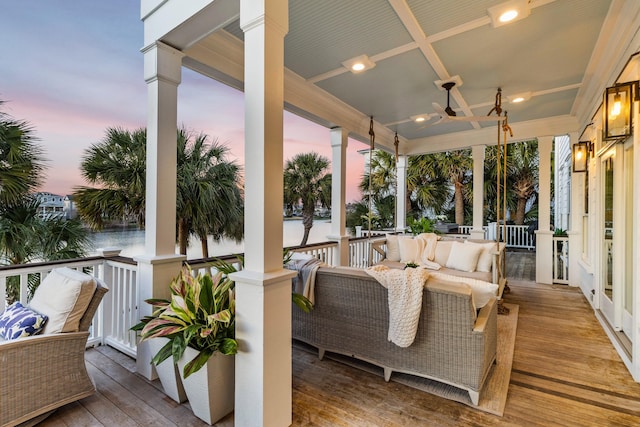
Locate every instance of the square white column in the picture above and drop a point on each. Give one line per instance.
(478, 153)
(159, 264)
(544, 235)
(263, 288)
(339, 142)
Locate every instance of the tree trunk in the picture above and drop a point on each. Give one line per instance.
(520, 211)
(307, 222)
(183, 236)
(204, 244)
(459, 204)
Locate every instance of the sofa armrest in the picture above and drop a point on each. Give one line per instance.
(483, 316)
(379, 247)
(41, 373)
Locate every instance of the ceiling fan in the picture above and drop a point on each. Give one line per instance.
(448, 115)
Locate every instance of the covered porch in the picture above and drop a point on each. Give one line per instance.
(300, 56)
(561, 349)
(556, 366)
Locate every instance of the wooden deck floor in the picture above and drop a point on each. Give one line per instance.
(565, 373)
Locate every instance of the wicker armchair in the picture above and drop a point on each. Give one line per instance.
(41, 373)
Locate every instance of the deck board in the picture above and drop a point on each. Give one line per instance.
(565, 373)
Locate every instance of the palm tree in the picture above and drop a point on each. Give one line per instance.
(116, 166)
(453, 167)
(378, 182)
(21, 162)
(209, 194)
(209, 197)
(427, 186)
(523, 175)
(307, 180)
(522, 179)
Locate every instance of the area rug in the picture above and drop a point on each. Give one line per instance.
(494, 394)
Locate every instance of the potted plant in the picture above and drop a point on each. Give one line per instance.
(199, 323)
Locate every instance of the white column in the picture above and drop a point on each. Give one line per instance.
(576, 210)
(339, 141)
(478, 191)
(159, 264)
(544, 235)
(263, 289)
(401, 196)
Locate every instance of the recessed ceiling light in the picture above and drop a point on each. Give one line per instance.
(359, 64)
(519, 97)
(509, 15)
(420, 118)
(508, 12)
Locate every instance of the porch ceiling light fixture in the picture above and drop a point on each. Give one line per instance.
(520, 97)
(580, 155)
(508, 12)
(359, 64)
(421, 118)
(618, 110)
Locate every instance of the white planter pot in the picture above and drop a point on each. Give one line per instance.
(211, 389)
(168, 373)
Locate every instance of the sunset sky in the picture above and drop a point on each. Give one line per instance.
(74, 68)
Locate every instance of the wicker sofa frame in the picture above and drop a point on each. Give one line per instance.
(351, 317)
(41, 373)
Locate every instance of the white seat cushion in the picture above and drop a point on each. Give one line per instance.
(63, 296)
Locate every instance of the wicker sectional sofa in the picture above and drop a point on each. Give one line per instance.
(454, 344)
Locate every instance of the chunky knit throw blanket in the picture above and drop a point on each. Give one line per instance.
(405, 300)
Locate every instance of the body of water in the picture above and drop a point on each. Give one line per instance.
(131, 241)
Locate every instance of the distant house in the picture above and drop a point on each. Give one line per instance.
(54, 205)
(49, 205)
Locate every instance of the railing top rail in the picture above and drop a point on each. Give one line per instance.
(46, 264)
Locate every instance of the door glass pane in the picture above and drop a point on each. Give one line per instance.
(628, 246)
(608, 228)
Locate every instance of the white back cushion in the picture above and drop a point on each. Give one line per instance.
(463, 257)
(485, 261)
(410, 249)
(393, 249)
(443, 248)
(63, 296)
(482, 291)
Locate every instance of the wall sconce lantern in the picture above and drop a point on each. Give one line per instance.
(580, 153)
(618, 110)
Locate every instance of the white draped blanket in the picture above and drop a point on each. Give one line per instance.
(405, 300)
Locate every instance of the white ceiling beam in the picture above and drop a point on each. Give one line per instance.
(522, 131)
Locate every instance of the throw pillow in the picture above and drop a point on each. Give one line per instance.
(18, 321)
(63, 296)
(443, 249)
(410, 249)
(463, 257)
(430, 242)
(393, 249)
(485, 261)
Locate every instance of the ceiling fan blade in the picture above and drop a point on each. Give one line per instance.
(441, 111)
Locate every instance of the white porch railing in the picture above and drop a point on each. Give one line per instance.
(119, 305)
(361, 253)
(560, 260)
(515, 236)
